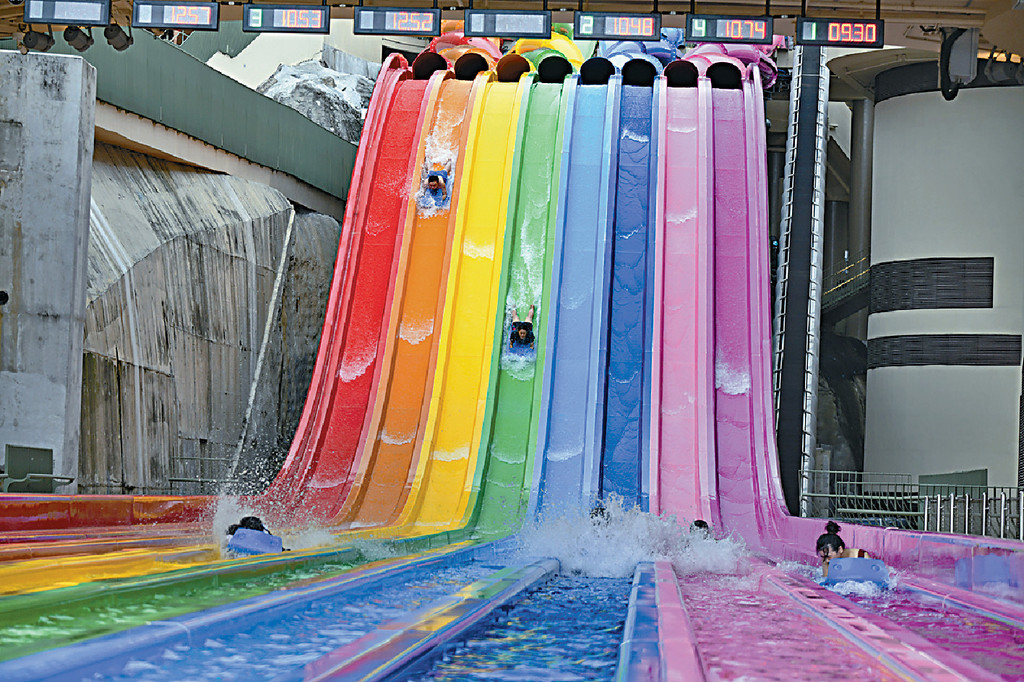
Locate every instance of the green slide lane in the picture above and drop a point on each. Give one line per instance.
(510, 431)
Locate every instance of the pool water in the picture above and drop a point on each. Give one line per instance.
(569, 629)
(987, 643)
(61, 626)
(264, 650)
(747, 629)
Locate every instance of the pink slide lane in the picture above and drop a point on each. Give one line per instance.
(682, 412)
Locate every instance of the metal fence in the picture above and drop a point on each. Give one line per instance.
(897, 500)
(845, 279)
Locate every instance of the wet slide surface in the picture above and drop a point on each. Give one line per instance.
(629, 338)
(682, 434)
(387, 465)
(571, 424)
(317, 473)
(511, 439)
(446, 483)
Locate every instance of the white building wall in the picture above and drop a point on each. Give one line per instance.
(947, 183)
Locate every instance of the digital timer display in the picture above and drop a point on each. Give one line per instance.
(286, 18)
(840, 32)
(488, 23)
(396, 21)
(195, 16)
(706, 28)
(68, 12)
(610, 26)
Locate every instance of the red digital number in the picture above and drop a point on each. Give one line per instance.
(845, 32)
(647, 26)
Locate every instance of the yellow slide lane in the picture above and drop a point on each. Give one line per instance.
(35, 575)
(411, 350)
(447, 475)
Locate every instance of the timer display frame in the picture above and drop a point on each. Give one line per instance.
(384, 21)
(718, 28)
(840, 32)
(285, 18)
(68, 12)
(154, 14)
(499, 23)
(595, 26)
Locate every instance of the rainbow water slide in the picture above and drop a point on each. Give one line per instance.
(419, 421)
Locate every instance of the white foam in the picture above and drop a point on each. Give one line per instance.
(729, 380)
(636, 137)
(612, 546)
(680, 218)
(415, 331)
(397, 438)
(356, 363)
(452, 455)
(474, 250)
(681, 127)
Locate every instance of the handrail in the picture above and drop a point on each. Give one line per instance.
(897, 500)
(7, 480)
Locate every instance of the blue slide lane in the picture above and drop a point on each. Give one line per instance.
(628, 384)
(572, 403)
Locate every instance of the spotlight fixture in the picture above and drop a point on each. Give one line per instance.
(15, 2)
(77, 38)
(40, 42)
(117, 38)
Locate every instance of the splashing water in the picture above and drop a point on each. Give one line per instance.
(611, 545)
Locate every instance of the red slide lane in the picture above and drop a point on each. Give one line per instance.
(317, 473)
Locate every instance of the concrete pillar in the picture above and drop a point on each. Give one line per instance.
(47, 110)
(862, 133)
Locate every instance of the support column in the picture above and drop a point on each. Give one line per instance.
(862, 135)
(46, 143)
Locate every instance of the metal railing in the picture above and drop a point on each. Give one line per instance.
(897, 500)
(7, 481)
(845, 279)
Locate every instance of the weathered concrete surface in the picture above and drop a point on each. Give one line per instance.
(335, 101)
(184, 268)
(281, 393)
(46, 146)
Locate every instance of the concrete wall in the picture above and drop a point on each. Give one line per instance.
(947, 183)
(185, 267)
(46, 147)
(260, 59)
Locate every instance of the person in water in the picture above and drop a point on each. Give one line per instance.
(831, 546)
(249, 523)
(435, 192)
(522, 330)
(700, 526)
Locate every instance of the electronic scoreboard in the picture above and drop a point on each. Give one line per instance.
(496, 23)
(840, 32)
(709, 28)
(397, 21)
(612, 26)
(68, 12)
(286, 18)
(194, 16)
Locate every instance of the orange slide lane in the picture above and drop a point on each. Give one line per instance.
(388, 463)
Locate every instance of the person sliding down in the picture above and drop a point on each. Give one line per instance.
(522, 330)
(831, 546)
